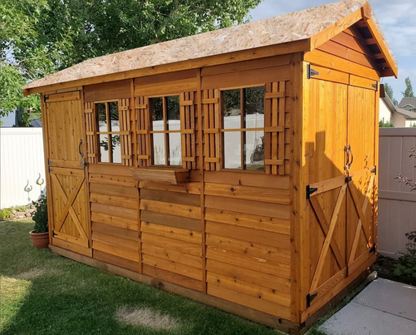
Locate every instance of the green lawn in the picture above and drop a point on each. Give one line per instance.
(43, 293)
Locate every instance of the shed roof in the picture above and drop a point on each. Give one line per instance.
(288, 28)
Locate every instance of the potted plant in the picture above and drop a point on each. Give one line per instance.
(40, 235)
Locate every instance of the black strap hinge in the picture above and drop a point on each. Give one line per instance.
(309, 299)
(374, 170)
(372, 249)
(375, 85)
(311, 72)
(45, 97)
(53, 233)
(310, 190)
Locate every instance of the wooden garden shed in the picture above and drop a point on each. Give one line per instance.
(236, 167)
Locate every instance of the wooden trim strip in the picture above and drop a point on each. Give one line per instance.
(274, 95)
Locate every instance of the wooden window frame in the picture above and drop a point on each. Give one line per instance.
(242, 130)
(165, 132)
(97, 133)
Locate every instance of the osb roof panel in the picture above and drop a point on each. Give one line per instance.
(276, 30)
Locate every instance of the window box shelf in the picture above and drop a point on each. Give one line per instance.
(169, 175)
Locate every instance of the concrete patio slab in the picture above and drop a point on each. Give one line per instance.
(391, 297)
(384, 308)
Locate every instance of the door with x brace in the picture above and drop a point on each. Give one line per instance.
(66, 141)
(342, 180)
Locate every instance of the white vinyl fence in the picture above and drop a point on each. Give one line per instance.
(397, 205)
(21, 162)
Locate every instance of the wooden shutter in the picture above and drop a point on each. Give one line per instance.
(125, 132)
(188, 125)
(212, 129)
(274, 131)
(141, 120)
(91, 128)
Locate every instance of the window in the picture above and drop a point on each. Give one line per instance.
(108, 132)
(165, 131)
(243, 128)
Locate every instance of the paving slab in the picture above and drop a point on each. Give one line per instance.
(384, 307)
(391, 297)
(356, 319)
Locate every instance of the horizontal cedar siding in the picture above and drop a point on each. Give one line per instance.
(114, 206)
(171, 233)
(247, 240)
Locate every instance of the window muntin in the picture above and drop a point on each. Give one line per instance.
(243, 128)
(165, 131)
(108, 133)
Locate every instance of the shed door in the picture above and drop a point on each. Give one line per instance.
(340, 127)
(362, 124)
(66, 146)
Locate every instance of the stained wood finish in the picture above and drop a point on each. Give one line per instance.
(251, 239)
(114, 207)
(68, 190)
(341, 213)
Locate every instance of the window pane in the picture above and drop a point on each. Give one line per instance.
(113, 110)
(231, 109)
(172, 108)
(232, 150)
(254, 107)
(175, 153)
(104, 148)
(101, 116)
(156, 113)
(115, 140)
(254, 150)
(158, 149)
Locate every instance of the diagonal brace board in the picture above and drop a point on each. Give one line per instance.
(361, 222)
(71, 210)
(325, 228)
(327, 242)
(69, 203)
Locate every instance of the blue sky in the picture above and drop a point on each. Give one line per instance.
(397, 19)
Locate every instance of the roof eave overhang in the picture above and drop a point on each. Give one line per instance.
(232, 57)
(363, 13)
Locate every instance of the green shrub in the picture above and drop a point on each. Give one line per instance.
(41, 215)
(5, 214)
(406, 265)
(385, 124)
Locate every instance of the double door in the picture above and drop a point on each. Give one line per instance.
(342, 126)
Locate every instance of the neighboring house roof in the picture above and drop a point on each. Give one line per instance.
(411, 102)
(387, 99)
(396, 109)
(407, 114)
(298, 26)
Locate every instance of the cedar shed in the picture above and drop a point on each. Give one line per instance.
(236, 167)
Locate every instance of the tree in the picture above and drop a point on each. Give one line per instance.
(408, 92)
(389, 91)
(44, 36)
(17, 25)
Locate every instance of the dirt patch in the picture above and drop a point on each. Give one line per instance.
(385, 269)
(145, 317)
(31, 274)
